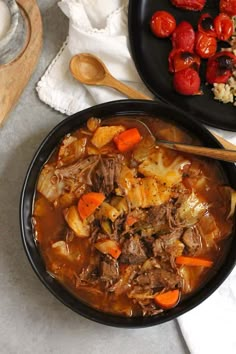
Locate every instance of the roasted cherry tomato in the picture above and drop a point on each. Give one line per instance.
(223, 27)
(187, 82)
(220, 67)
(206, 25)
(205, 46)
(228, 7)
(194, 5)
(162, 24)
(179, 59)
(183, 37)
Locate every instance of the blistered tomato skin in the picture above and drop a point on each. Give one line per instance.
(228, 7)
(187, 82)
(205, 46)
(223, 27)
(206, 25)
(194, 5)
(220, 67)
(162, 24)
(179, 59)
(183, 37)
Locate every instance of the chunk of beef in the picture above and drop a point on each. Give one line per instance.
(106, 174)
(149, 308)
(109, 270)
(159, 278)
(168, 245)
(192, 239)
(133, 251)
(157, 215)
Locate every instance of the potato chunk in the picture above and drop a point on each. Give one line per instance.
(80, 228)
(104, 135)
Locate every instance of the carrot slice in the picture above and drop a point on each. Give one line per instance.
(109, 247)
(127, 140)
(115, 252)
(130, 220)
(88, 203)
(168, 300)
(193, 261)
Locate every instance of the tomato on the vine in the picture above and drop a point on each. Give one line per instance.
(162, 24)
(183, 37)
(223, 27)
(205, 46)
(206, 25)
(179, 59)
(228, 7)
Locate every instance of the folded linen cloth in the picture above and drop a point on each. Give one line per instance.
(100, 27)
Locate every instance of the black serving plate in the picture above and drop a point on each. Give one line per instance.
(150, 55)
(131, 108)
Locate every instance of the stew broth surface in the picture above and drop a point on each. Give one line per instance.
(190, 218)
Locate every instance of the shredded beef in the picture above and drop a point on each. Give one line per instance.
(106, 174)
(192, 239)
(109, 270)
(157, 215)
(159, 278)
(166, 245)
(133, 251)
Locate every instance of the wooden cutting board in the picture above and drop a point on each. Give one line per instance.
(15, 75)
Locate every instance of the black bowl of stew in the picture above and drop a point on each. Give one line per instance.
(160, 119)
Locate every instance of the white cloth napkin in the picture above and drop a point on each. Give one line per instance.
(100, 27)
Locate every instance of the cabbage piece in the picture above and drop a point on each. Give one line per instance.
(191, 210)
(190, 278)
(147, 192)
(61, 248)
(142, 150)
(166, 172)
(142, 192)
(71, 149)
(209, 230)
(80, 228)
(49, 186)
(104, 135)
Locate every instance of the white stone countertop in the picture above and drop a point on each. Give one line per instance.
(32, 320)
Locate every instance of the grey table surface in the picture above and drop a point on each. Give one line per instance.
(31, 318)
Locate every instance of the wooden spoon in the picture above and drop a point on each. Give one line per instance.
(90, 70)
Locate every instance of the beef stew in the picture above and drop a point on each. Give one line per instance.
(128, 226)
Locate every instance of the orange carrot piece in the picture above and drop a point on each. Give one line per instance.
(88, 203)
(109, 247)
(127, 140)
(115, 252)
(130, 220)
(193, 261)
(168, 300)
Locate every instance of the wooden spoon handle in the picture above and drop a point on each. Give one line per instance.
(224, 155)
(225, 143)
(137, 95)
(126, 90)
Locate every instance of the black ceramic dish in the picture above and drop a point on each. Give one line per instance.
(126, 107)
(150, 55)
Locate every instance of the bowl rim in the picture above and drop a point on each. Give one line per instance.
(121, 107)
